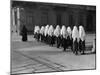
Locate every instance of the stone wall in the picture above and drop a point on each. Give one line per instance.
(53, 15)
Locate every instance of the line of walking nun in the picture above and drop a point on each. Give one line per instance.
(63, 37)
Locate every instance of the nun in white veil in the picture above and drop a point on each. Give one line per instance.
(38, 33)
(81, 33)
(64, 34)
(51, 35)
(57, 35)
(46, 33)
(81, 39)
(69, 38)
(69, 31)
(46, 30)
(42, 30)
(75, 36)
(51, 30)
(42, 33)
(57, 31)
(61, 35)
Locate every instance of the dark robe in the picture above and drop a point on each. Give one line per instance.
(58, 39)
(24, 34)
(38, 36)
(69, 42)
(64, 43)
(75, 47)
(81, 46)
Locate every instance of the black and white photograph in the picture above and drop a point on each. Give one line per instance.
(51, 37)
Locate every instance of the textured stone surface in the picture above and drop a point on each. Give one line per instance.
(34, 57)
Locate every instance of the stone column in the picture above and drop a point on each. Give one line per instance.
(18, 20)
(13, 16)
(13, 26)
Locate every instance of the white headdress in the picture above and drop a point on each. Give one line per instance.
(46, 29)
(57, 31)
(64, 32)
(81, 33)
(69, 31)
(42, 30)
(75, 33)
(51, 30)
(36, 29)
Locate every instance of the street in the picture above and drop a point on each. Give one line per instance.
(35, 57)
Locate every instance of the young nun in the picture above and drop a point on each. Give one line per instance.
(61, 32)
(46, 33)
(75, 36)
(42, 33)
(38, 33)
(64, 37)
(51, 35)
(57, 36)
(69, 32)
(69, 38)
(81, 39)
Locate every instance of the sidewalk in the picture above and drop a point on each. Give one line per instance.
(17, 38)
(51, 58)
(46, 58)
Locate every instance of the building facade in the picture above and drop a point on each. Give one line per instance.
(37, 13)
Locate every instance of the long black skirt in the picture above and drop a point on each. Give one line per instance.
(75, 47)
(81, 46)
(58, 39)
(24, 38)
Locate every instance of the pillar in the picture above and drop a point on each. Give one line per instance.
(13, 27)
(18, 20)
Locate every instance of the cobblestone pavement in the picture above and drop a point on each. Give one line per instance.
(36, 64)
(35, 57)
